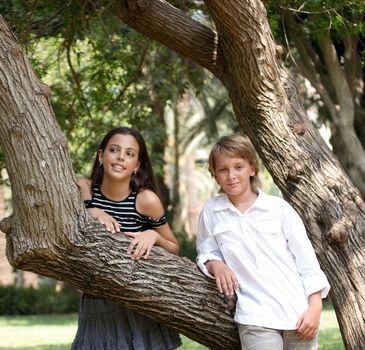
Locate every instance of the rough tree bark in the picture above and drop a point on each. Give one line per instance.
(243, 55)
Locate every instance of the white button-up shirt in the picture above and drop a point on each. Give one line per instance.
(268, 249)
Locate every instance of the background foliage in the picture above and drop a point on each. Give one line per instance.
(35, 301)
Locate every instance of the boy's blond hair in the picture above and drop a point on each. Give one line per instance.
(238, 146)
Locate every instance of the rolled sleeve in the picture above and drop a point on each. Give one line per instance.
(313, 278)
(203, 258)
(315, 283)
(206, 245)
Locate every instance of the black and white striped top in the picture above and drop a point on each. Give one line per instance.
(124, 212)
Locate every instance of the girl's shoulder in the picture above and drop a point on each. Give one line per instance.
(85, 188)
(149, 204)
(147, 197)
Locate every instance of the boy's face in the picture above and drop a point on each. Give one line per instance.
(233, 174)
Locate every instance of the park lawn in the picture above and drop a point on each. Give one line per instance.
(56, 332)
(329, 335)
(49, 332)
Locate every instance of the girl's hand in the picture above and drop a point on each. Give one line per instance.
(105, 219)
(142, 243)
(308, 323)
(225, 278)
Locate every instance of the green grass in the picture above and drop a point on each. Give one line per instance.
(37, 332)
(56, 332)
(49, 332)
(329, 335)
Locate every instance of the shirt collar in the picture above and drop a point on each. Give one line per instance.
(261, 201)
(224, 203)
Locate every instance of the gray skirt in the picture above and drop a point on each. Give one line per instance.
(105, 325)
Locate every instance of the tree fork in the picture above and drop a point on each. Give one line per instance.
(269, 110)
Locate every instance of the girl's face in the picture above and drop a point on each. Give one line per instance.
(120, 157)
(233, 174)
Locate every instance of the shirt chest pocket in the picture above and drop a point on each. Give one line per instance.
(224, 235)
(221, 228)
(268, 229)
(270, 239)
(270, 245)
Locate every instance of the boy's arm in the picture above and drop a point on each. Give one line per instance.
(300, 246)
(225, 278)
(308, 323)
(206, 246)
(210, 259)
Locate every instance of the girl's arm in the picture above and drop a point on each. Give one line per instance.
(148, 204)
(105, 219)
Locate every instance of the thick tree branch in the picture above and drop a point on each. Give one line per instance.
(165, 287)
(353, 69)
(336, 73)
(355, 153)
(336, 87)
(164, 23)
(309, 63)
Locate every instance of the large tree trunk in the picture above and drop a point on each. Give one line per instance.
(51, 225)
(50, 232)
(266, 102)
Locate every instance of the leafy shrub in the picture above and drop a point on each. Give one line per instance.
(31, 301)
(187, 245)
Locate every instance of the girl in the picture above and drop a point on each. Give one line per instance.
(256, 245)
(122, 195)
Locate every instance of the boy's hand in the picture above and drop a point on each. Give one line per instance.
(225, 278)
(308, 323)
(105, 219)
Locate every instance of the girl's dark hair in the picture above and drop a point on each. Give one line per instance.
(143, 178)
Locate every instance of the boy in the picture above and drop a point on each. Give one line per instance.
(256, 245)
